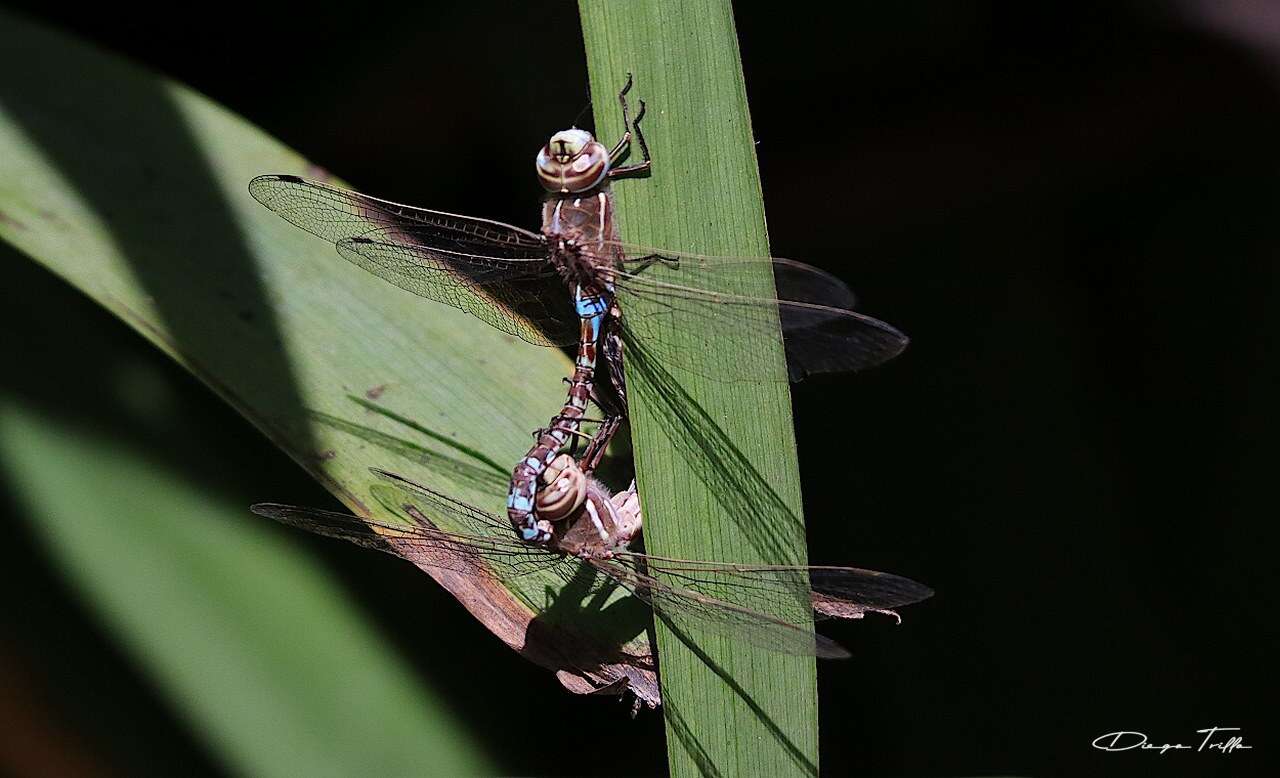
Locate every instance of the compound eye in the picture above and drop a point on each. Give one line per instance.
(563, 490)
(546, 163)
(577, 174)
(568, 144)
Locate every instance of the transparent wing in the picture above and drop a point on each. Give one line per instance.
(814, 311)
(497, 272)
(705, 592)
(396, 491)
(835, 592)
(484, 546)
(486, 537)
(336, 214)
(420, 543)
(719, 616)
(532, 304)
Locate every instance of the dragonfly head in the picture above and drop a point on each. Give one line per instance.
(563, 489)
(572, 161)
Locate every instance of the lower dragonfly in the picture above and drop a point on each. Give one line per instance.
(515, 280)
(598, 535)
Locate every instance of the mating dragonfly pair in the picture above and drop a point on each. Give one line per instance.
(517, 281)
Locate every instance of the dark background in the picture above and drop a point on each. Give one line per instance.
(1071, 212)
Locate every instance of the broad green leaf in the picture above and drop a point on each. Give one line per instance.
(133, 189)
(715, 461)
(220, 611)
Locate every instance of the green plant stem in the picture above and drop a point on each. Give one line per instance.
(715, 461)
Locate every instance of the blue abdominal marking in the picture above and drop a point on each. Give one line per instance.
(589, 307)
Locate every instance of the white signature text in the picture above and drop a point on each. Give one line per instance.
(1217, 739)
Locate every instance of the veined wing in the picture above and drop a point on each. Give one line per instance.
(497, 272)
(832, 592)
(713, 614)
(336, 214)
(530, 302)
(419, 542)
(813, 310)
(488, 537)
(437, 507)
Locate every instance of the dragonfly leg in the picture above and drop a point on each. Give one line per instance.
(599, 442)
(611, 393)
(578, 436)
(575, 434)
(629, 127)
(583, 419)
(648, 259)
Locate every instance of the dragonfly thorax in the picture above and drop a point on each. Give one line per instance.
(603, 524)
(572, 161)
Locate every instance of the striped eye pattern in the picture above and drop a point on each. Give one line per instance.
(572, 161)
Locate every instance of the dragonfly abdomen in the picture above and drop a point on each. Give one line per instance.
(581, 228)
(521, 497)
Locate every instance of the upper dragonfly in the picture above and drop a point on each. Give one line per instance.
(514, 279)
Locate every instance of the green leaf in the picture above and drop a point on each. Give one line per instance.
(133, 189)
(218, 608)
(715, 460)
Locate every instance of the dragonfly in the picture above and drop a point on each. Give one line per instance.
(516, 280)
(720, 597)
